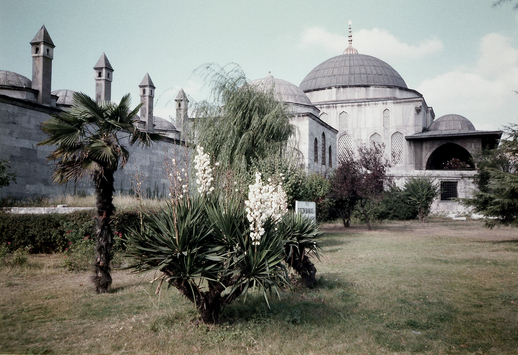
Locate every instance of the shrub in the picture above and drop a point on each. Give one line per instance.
(78, 256)
(213, 250)
(395, 206)
(51, 233)
(420, 192)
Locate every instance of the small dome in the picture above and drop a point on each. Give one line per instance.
(162, 124)
(9, 78)
(283, 90)
(452, 122)
(65, 97)
(352, 69)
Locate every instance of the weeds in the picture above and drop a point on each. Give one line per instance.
(17, 257)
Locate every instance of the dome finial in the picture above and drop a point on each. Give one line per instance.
(350, 49)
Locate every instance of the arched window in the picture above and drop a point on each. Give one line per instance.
(386, 118)
(345, 146)
(315, 151)
(343, 121)
(330, 158)
(396, 143)
(375, 138)
(323, 149)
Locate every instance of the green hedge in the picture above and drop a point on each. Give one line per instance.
(49, 233)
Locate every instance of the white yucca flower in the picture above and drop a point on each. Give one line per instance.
(203, 172)
(264, 201)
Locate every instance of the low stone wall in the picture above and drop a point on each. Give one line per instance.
(45, 210)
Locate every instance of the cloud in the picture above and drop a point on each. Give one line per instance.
(376, 42)
(484, 93)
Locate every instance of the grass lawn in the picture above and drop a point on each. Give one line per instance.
(442, 287)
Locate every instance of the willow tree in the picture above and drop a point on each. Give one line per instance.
(89, 140)
(243, 123)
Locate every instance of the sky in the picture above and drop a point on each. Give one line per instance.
(461, 55)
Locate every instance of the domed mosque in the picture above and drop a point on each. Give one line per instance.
(360, 99)
(348, 100)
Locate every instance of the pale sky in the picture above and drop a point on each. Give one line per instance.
(461, 55)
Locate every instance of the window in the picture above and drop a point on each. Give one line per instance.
(100, 74)
(330, 158)
(315, 151)
(343, 124)
(108, 75)
(345, 146)
(386, 118)
(448, 190)
(143, 91)
(375, 138)
(323, 149)
(37, 50)
(396, 144)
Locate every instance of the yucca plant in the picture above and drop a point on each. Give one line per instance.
(202, 247)
(300, 236)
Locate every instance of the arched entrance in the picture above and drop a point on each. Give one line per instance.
(450, 156)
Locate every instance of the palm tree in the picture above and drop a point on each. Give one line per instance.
(88, 137)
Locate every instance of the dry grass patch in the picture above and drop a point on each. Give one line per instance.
(441, 287)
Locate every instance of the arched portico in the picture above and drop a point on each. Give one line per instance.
(447, 154)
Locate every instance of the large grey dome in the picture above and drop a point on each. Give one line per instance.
(283, 90)
(9, 78)
(452, 122)
(352, 70)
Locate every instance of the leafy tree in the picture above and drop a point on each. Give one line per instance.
(243, 124)
(360, 181)
(497, 182)
(5, 177)
(420, 192)
(344, 187)
(89, 142)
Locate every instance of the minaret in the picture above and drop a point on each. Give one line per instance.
(350, 49)
(182, 106)
(103, 79)
(147, 93)
(42, 49)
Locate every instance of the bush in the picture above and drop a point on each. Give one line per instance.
(395, 206)
(51, 233)
(78, 256)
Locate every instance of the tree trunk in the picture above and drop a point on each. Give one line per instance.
(209, 306)
(307, 271)
(103, 251)
(366, 216)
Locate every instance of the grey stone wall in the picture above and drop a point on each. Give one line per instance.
(20, 131)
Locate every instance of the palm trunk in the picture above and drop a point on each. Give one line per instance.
(104, 202)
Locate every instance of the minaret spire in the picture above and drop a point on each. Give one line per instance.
(42, 50)
(103, 79)
(147, 93)
(350, 49)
